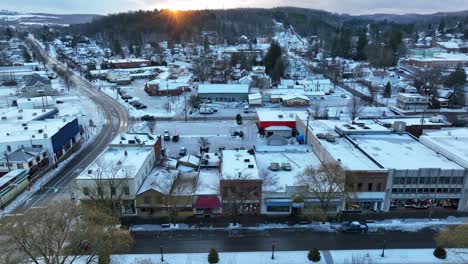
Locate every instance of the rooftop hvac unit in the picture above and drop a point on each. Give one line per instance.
(34, 114)
(4, 118)
(45, 135)
(20, 111)
(41, 131)
(280, 116)
(25, 128)
(435, 119)
(250, 166)
(246, 160)
(399, 126)
(24, 124)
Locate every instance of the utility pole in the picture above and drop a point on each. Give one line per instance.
(8, 161)
(307, 128)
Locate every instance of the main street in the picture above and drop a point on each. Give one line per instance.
(115, 121)
(285, 239)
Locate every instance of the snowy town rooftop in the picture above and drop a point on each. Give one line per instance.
(208, 182)
(14, 115)
(443, 57)
(350, 157)
(159, 180)
(286, 116)
(299, 161)
(238, 165)
(11, 132)
(128, 160)
(128, 60)
(223, 88)
(453, 143)
(414, 121)
(135, 139)
(403, 152)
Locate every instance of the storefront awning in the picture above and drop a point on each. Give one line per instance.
(206, 201)
(277, 202)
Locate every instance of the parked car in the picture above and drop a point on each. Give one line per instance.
(126, 97)
(246, 109)
(205, 111)
(142, 106)
(182, 151)
(175, 138)
(286, 166)
(274, 166)
(166, 136)
(355, 226)
(343, 95)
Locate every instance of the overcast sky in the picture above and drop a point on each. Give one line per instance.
(340, 6)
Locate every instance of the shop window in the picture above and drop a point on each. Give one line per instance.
(379, 187)
(359, 187)
(278, 209)
(369, 187)
(126, 190)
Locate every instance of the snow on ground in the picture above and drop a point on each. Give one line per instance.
(405, 225)
(219, 133)
(157, 105)
(393, 256)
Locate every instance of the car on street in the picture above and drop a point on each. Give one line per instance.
(353, 227)
(175, 138)
(166, 135)
(343, 95)
(126, 97)
(286, 166)
(182, 151)
(274, 166)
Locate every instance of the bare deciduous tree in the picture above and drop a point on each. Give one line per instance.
(326, 183)
(355, 106)
(62, 233)
(110, 182)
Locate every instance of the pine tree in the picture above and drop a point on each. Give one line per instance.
(213, 256)
(314, 255)
(388, 90)
(271, 58)
(361, 47)
(239, 119)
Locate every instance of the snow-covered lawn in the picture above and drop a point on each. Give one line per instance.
(392, 256)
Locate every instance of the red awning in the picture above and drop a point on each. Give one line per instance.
(207, 202)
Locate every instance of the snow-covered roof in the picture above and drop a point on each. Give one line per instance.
(11, 132)
(451, 142)
(274, 115)
(255, 96)
(238, 164)
(129, 160)
(401, 151)
(159, 180)
(349, 156)
(10, 176)
(223, 88)
(208, 182)
(299, 161)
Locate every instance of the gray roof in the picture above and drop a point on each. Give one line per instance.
(23, 155)
(35, 78)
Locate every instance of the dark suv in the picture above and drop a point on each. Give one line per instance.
(349, 227)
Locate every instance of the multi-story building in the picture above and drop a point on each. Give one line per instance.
(410, 101)
(119, 172)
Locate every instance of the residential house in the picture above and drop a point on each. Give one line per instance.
(37, 85)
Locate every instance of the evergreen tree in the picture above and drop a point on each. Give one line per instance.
(458, 77)
(278, 70)
(314, 255)
(213, 256)
(239, 119)
(361, 47)
(116, 47)
(271, 58)
(206, 44)
(388, 90)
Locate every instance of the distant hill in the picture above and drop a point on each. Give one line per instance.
(15, 18)
(414, 18)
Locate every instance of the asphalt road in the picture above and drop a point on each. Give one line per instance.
(115, 121)
(285, 240)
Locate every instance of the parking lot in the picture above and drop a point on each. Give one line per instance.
(218, 133)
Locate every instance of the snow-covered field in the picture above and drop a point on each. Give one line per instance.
(392, 256)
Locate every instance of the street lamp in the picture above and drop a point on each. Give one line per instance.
(162, 254)
(383, 249)
(273, 245)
